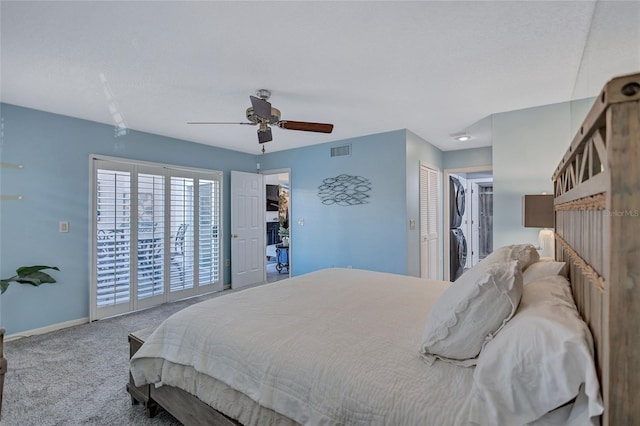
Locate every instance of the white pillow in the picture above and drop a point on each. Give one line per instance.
(544, 269)
(542, 359)
(526, 254)
(472, 310)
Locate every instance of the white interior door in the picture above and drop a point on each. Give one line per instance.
(429, 190)
(247, 229)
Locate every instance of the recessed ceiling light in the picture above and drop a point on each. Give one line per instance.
(462, 137)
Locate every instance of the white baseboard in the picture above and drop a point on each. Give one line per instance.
(46, 329)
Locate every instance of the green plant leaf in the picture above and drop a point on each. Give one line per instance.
(29, 275)
(27, 270)
(36, 278)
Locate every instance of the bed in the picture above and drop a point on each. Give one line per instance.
(350, 347)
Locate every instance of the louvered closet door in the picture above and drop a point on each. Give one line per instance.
(429, 232)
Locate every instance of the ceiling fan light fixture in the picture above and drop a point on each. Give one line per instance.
(264, 133)
(255, 119)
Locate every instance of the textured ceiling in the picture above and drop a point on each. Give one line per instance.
(435, 68)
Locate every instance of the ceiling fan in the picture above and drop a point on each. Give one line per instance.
(262, 114)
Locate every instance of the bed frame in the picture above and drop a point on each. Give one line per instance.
(597, 217)
(185, 407)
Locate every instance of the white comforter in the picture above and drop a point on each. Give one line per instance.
(337, 346)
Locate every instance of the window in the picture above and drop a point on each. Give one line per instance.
(155, 234)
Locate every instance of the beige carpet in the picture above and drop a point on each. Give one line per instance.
(77, 376)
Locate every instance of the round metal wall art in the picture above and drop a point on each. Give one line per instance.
(344, 190)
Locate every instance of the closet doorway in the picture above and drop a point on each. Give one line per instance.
(277, 186)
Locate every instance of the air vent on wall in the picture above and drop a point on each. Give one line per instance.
(338, 151)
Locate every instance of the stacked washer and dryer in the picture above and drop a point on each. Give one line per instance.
(458, 244)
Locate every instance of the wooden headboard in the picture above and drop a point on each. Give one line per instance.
(597, 218)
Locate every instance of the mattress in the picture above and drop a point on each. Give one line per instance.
(336, 346)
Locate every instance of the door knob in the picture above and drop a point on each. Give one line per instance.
(234, 235)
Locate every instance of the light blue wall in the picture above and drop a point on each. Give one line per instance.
(374, 236)
(473, 157)
(418, 150)
(528, 144)
(55, 152)
(368, 236)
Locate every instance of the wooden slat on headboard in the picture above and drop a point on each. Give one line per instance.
(597, 201)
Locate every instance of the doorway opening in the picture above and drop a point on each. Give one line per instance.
(468, 216)
(277, 212)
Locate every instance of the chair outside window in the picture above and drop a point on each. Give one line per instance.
(177, 254)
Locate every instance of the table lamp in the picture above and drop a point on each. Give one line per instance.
(538, 213)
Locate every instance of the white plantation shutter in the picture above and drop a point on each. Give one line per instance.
(150, 255)
(182, 245)
(429, 192)
(209, 234)
(155, 234)
(112, 266)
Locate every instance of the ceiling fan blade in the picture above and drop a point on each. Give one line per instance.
(264, 135)
(306, 126)
(220, 122)
(261, 107)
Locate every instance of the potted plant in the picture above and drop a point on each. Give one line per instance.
(29, 275)
(284, 232)
(283, 216)
(24, 275)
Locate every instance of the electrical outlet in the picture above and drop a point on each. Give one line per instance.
(63, 226)
(228, 262)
